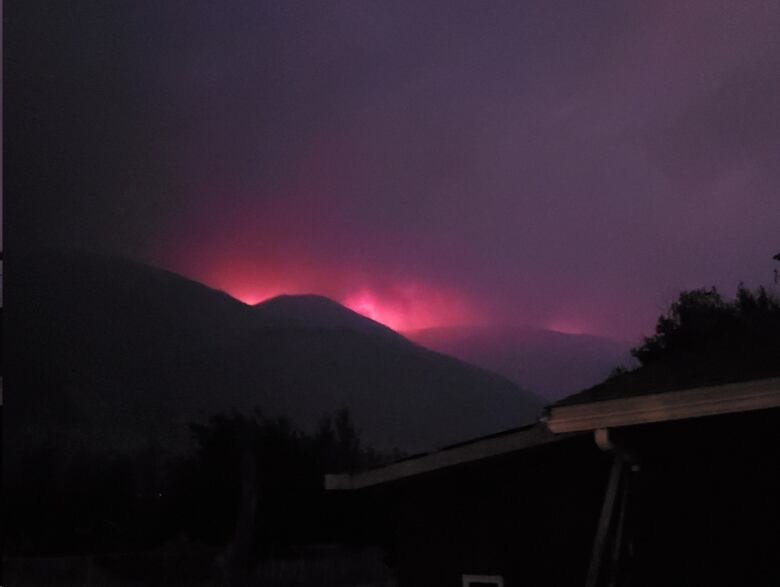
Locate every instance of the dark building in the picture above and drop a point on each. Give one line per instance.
(673, 488)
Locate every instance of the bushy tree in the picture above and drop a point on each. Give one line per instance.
(288, 471)
(64, 500)
(704, 332)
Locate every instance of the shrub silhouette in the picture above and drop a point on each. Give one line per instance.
(704, 338)
(292, 507)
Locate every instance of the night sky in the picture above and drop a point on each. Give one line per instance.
(570, 165)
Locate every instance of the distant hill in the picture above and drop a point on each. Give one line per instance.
(550, 364)
(113, 353)
(703, 339)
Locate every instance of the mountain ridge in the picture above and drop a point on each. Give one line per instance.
(309, 311)
(115, 353)
(549, 363)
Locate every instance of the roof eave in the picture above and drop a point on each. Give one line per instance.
(661, 407)
(471, 452)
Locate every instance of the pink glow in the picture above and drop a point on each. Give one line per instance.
(397, 302)
(568, 326)
(368, 305)
(411, 307)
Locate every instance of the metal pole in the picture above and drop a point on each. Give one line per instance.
(605, 521)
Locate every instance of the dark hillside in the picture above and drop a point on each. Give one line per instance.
(119, 354)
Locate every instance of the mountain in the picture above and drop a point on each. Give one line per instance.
(548, 363)
(313, 312)
(116, 354)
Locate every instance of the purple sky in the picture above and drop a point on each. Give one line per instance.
(563, 164)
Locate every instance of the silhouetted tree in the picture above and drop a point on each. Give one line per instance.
(58, 501)
(290, 507)
(704, 333)
(64, 499)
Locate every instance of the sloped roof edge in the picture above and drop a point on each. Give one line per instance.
(643, 409)
(562, 422)
(476, 450)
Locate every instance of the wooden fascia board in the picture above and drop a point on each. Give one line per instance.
(661, 407)
(442, 459)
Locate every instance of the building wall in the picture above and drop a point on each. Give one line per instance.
(519, 517)
(702, 510)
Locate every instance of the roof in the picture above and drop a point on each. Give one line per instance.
(459, 454)
(588, 412)
(656, 379)
(644, 408)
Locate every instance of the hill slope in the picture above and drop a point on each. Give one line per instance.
(551, 364)
(113, 353)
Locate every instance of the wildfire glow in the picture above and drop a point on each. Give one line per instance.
(568, 326)
(400, 304)
(368, 305)
(409, 308)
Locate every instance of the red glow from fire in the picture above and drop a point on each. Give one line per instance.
(568, 326)
(401, 304)
(365, 303)
(410, 307)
